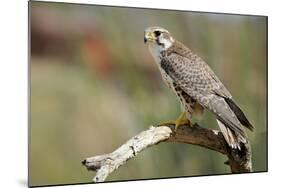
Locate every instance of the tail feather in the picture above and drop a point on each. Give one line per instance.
(231, 120)
(231, 138)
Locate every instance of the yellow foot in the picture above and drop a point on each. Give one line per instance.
(181, 123)
(181, 120)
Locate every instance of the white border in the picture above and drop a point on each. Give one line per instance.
(13, 84)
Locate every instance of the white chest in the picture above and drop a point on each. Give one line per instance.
(156, 53)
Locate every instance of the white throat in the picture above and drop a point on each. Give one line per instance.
(155, 51)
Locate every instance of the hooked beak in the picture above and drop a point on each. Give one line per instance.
(148, 36)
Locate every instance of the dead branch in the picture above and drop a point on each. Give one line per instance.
(239, 161)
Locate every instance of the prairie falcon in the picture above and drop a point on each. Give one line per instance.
(196, 86)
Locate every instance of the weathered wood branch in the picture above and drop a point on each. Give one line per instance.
(239, 161)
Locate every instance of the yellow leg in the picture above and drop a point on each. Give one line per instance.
(181, 120)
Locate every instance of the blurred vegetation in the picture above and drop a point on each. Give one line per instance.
(94, 85)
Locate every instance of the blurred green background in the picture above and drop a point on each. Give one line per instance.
(94, 85)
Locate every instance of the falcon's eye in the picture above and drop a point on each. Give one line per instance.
(157, 33)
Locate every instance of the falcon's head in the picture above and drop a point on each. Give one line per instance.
(158, 38)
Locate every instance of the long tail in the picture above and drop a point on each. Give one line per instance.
(232, 139)
(231, 120)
